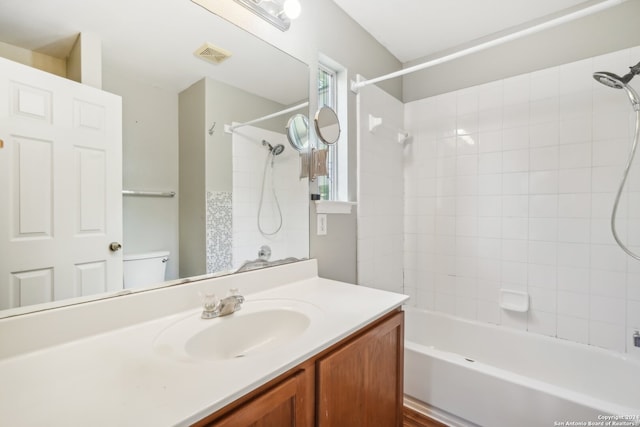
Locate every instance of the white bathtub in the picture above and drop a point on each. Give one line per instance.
(494, 376)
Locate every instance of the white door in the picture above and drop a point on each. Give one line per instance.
(60, 188)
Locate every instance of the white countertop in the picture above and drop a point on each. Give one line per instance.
(117, 378)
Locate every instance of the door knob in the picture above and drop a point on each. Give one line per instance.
(115, 246)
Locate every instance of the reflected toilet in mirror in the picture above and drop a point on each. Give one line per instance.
(144, 269)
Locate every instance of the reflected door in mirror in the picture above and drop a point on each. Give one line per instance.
(61, 179)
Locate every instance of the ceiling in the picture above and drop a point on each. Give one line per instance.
(154, 41)
(413, 29)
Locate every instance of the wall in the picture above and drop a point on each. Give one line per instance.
(324, 28)
(249, 156)
(34, 59)
(207, 168)
(509, 185)
(226, 104)
(192, 167)
(612, 29)
(345, 42)
(337, 250)
(380, 192)
(150, 150)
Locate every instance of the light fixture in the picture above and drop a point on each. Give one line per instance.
(292, 8)
(277, 12)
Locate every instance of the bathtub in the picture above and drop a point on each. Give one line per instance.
(468, 373)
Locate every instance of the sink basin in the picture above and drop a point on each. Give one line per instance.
(259, 327)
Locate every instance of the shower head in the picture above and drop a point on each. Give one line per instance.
(617, 82)
(277, 150)
(614, 80)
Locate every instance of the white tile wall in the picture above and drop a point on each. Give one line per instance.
(381, 241)
(510, 185)
(249, 158)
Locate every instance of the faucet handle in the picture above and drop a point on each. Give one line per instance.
(210, 305)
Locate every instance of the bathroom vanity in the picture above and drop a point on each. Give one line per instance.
(302, 351)
(356, 382)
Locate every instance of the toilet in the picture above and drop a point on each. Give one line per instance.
(144, 269)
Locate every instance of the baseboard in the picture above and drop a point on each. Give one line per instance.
(413, 418)
(420, 412)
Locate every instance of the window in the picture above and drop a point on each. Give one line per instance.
(327, 185)
(331, 85)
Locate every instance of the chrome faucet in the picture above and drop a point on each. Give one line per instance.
(213, 307)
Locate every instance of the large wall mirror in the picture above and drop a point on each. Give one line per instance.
(235, 192)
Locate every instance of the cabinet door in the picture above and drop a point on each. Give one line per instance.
(360, 384)
(284, 405)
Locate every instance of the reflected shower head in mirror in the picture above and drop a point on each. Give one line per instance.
(276, 151)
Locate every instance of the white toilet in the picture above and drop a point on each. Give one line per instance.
(144, 269)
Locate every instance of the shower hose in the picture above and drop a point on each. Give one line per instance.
(270, 157)
(623, 181)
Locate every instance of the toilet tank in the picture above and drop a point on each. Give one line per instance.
(144, 269)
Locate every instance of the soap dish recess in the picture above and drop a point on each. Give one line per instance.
(514, 300)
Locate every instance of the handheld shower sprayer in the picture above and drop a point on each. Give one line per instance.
(616, 82)
(273, 152)
(277, 150)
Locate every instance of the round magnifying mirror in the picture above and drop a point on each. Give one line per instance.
(298, 132)
(327, 125)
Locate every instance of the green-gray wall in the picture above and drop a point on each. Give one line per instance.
(607, 31)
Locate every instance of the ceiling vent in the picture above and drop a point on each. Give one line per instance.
(212, 53)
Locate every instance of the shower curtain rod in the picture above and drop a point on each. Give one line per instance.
(356, 85)
(231, 128)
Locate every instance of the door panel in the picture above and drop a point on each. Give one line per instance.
(278, 407)
(360, 384)
(60, 185)
(31, 192)
(32, 287)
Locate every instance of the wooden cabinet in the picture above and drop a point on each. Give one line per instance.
(287, 401)
(283, 405)
(360, 384)
(355, 383)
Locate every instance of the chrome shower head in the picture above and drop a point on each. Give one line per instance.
(617, 82)
(277, 150)
(612, 80)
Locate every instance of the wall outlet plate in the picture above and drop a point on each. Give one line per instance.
(321, 224)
